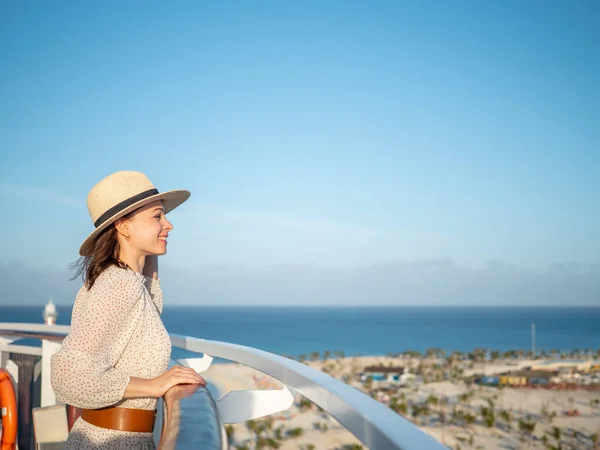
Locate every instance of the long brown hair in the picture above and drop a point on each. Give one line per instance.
(104, 254)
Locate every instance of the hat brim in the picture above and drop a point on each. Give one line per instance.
(171, 200)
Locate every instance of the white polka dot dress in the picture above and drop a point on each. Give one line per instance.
(116, 333)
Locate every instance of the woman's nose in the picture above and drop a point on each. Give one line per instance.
(168, 224)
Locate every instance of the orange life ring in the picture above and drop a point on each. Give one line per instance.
(8, 406)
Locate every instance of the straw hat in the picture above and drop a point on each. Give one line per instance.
(119, 194)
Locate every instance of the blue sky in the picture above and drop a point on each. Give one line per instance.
(340, 135)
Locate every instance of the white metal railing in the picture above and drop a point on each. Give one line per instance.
(375, 425)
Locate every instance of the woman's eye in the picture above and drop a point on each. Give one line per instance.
(157, 217)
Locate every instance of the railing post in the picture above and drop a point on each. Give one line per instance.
(26, 364)
(48, 349)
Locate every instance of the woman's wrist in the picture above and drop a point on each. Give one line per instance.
(140, 387)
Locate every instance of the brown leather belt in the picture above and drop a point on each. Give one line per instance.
(121, 419)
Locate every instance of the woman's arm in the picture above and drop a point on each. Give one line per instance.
(150, 273)
(83, 371)
(151, 267)
(157, 387)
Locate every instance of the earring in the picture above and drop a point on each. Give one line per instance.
(127, 238)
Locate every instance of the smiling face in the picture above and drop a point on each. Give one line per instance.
(147, 229)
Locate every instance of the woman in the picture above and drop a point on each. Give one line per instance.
(113, 363)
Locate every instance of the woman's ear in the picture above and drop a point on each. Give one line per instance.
(122, 227)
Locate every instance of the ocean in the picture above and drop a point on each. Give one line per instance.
(372, 331)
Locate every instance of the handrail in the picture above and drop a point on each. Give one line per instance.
(32, 335)
(184, 430)
(375, 425)
(62, 330)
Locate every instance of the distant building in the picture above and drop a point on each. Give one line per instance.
(488, 381)
(383, 369)
(513, 380)
(517, 379)
(381, 373)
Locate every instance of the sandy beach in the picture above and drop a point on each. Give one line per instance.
(512, 407)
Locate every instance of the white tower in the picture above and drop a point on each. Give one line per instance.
(50, 313)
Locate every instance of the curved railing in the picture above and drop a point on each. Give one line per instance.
(190, 420)
(375, 425)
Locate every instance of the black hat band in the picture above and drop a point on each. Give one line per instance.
(124, 204)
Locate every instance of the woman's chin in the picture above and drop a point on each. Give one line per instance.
(158, 251)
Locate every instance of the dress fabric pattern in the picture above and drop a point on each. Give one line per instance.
(116, 333)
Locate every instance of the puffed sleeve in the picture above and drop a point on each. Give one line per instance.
(153, 286)
(83, 372)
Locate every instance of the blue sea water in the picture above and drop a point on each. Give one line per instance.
(372, 331)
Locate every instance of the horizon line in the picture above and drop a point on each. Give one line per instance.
(337, 306)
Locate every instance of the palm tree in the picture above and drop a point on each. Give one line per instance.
(433, 352)
(304, 404)
(416, 412)
(479, 354)
(465, 397)
(278, 432)
(595, 438)
(401, 408)
(251, 426)
(272, 443)
(230, 433)
(471, 440)
(469, 419)
(487, 415)
(295, 432)
(555, 433)
(443, 402)
(526, 427)
(506, 416)
(430, 400)
(459, 355)
(269, 421)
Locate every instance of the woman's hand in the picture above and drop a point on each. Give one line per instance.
(179, 392)
(173, 376)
